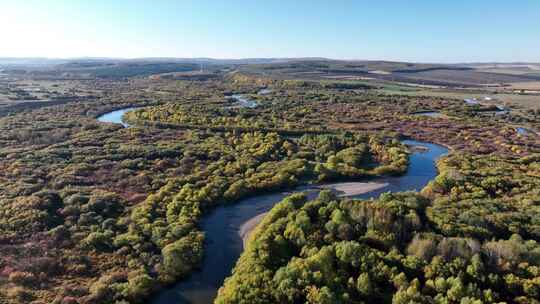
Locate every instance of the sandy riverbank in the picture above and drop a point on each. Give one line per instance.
(353, 188)
(247, 228)
(343, 190)
(419, 149)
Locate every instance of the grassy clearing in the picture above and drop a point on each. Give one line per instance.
(517, 100)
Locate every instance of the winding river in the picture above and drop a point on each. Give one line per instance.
(434, 114)
(222, 225)
(243, 102)
(116, 116)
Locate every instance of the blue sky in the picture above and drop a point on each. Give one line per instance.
(411, 30)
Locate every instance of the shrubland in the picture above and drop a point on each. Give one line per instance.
(97, 213)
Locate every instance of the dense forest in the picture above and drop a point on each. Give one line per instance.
(470, 237)
(85, 214)
(97, 213)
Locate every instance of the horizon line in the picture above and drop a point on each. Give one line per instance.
(257, 58)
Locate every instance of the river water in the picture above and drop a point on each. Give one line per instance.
(116, 116)
(224, 244)
(434, 114)
(243, 102)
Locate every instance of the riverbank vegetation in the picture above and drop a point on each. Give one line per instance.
(294, 107)
(75, 209)
(96, 213)
(471, 238)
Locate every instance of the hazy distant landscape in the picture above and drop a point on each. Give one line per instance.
(29, 81)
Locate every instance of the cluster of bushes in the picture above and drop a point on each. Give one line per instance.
(486, 197)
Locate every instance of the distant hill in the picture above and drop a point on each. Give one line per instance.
(102, 60)
(9, 61)
(454, 75)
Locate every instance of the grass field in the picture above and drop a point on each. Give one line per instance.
(528, 101)
(533, 86)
